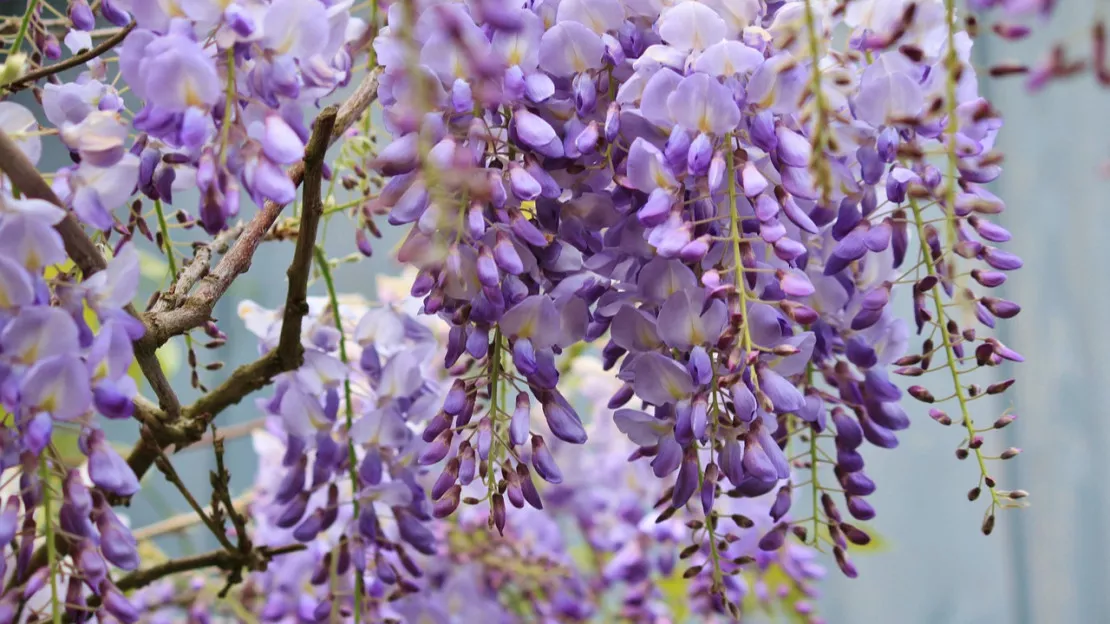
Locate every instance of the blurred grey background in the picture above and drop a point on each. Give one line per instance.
(1045, 564)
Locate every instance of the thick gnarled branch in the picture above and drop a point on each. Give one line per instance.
(195, 310)
(80, 248)
(289, 354)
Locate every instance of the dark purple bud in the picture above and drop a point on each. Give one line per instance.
(848, 459)
(113, 14)
(1001, 260)
(488, 274)
(762, 130)
(687, 481)
(544, 462)
(437, 449)
(585, 94)
(699, 155)
(849, 435)
(506, 256)
(857, 484)
(586, 141)
(845, 565)
(9, 520)
(709, 488)
(116, 542)
(562, 419)
(415, 532)
(676, 151)
(656, 209)
(370, 471)
(612, 122)
(437, 425)
(114, 602)
(448, 502)
(293, 482)
(498, 512)
(368, 525)
(310, 528)
(774, 540)
(860, 508)
(467, 463)
(107, 469)
(622, 396)
(528, 487)
(782, 503)
(526, 230)
(1001, 307)
(293, 513)
(35, 583)
(80, 15)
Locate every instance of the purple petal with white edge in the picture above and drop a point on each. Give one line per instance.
(701, 103)
(728, 58)
(600, 16)
(38, 333)
(570, 48)
(16, 287)
(21, 125)
(691, 26)
(647, 169)
(280, 142)
(793, 148)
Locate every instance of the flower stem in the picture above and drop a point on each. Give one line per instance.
(494, 399)
(952, 361)
(51, 548)
(734, 237)
(820, 129)
(325, 272)
(24, 24)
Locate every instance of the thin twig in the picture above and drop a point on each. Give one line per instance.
(221, 559)
(171, 475)
(181, 522)
(31, 77)
(229, 432)
(198, 267)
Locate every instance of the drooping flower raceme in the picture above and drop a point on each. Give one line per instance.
(721, 196)
(723, 201)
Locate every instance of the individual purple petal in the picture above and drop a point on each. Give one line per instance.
(563, 420)
(570, 48)
(544, 462)
(785, 396)
(743, 401)
(660, 380)
(537, 134)
(691, 26)
(703, 104)
(687, 481)
(647, 169)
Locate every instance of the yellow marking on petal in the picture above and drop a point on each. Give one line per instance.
(577, 61)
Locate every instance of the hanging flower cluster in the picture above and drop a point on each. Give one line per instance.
(723, 201)
(724, 197)
(65, 353)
